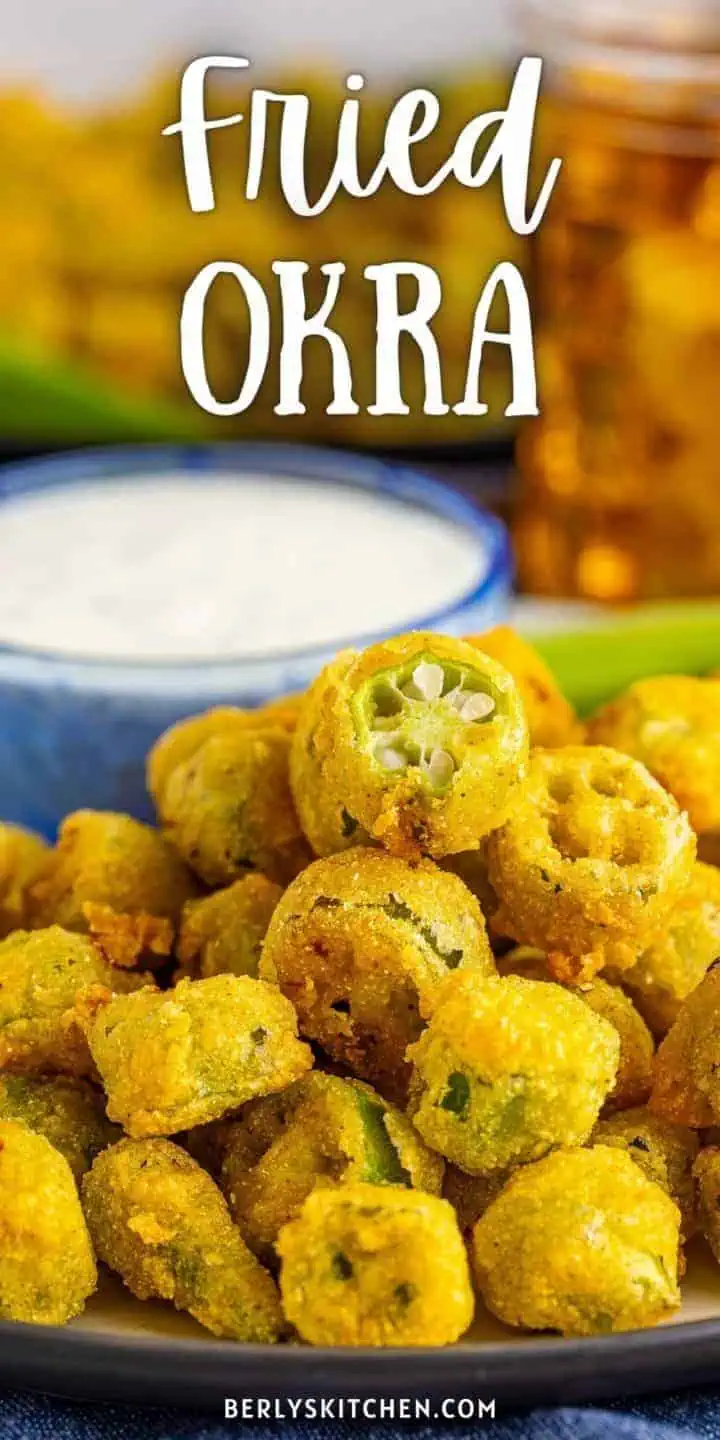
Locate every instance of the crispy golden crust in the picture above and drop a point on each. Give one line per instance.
(70, 1113)
(321, 1131)
(373, 1265)
(634, 1078)
(591, 861)
(507, 1070)
(359, 943)
(470, 1195)
(551, 718)
(228, 809)
(327, 824)
(472, 868)
(24, 858)
(158, 1220)
(183, 740)
(174, 1060)
(664, 1151)
(420, 742)
(222, 934)
(581, 1242)
(706, 1173)
(678, 956)
(633, 1082)
(48, 981)
(47, 1271)
(686, 1087)
(284, 712)
(117, 879)
(672, 724)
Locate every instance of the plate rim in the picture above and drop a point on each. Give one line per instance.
(195, 1374)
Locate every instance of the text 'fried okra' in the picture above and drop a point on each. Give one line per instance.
(591, 861)
(419, 742)
(359, 943)
(47, 1269)
(47, 978)
(581, 1242)
(119, 880)
(372, 1265)
(321, 1131)
(507, 1069)
(173, 1060)
(159, 1221)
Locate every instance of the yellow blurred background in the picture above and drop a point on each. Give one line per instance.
(619, 479)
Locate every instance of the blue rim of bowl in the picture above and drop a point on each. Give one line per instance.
(303, 462)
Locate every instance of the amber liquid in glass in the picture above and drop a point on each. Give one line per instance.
(620, 474)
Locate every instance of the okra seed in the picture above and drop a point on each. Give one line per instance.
(390, 758)
(440, 768)
(477, 707)
(427, 682)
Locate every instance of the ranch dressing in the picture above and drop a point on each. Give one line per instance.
(178, 567)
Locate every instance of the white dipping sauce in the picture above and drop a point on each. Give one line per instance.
(184, 567)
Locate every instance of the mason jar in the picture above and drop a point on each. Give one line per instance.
(620, 473)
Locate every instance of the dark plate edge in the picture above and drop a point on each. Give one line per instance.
(82, 1365)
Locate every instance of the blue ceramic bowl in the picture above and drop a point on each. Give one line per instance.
(75, 732)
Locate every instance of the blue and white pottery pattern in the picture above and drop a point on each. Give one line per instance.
(76, 732)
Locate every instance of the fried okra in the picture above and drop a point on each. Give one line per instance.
(161, 1223)
(119, 880)
(470, 1195)
(359, 943)
(23, 860)
(222, 934)
(633, 1081)
(581, 1242)
(321, 1131)
(48, 1269)
(47, 979)
(374, 1265)
(226, 806)
(686, 1086)
(672, 724)
(472, 868)
(591, 861)
(507, 1070)
(678, 956)
(420, 741)
(664, 1151)
(327, 824)
(70, 1113)
(706, 1173)
(551, 718)
(173, 1060)
(183, 740)
(283, 712)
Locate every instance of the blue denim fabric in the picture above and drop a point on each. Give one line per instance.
(694, 1415)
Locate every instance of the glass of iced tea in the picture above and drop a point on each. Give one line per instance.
(620, 474)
